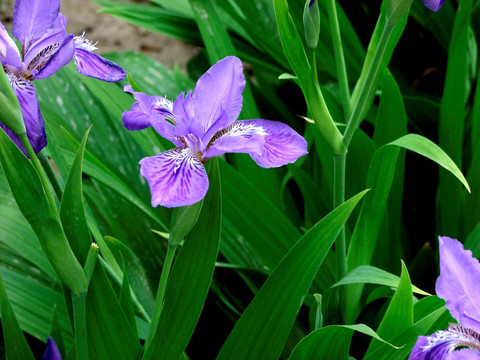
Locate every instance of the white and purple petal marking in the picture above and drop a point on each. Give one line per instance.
(445, 344)
(176, 178)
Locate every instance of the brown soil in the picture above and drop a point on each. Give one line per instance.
(114, 34)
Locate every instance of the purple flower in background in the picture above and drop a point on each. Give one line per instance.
(51, 352)
(202, 125)
(433, 5)
(46, 47)
(459, 285)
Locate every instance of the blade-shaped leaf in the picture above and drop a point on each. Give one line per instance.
(274, 308)
(190, 278)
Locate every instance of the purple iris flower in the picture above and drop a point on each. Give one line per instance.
(433, 5)
(202, 125)
(46, 47)
(51, 352)
(459, 285)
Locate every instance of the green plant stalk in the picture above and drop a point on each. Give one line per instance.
(339, 165)
(36, 163)
(51, 174)
(167, 265)
(80, 325)
(339, 57)
(369, 84)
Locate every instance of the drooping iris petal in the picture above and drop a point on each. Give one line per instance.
(283, 145)
(31, 19)
(240, 137)
(8, 50)
(51, 352)
(219, 90)
(32, 116)
(176, 178)
(458, 283)
(49, 64)
(439, 345)
(433, 5)
(95, 66)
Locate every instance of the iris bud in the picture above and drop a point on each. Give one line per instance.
(311, 23)
(10, 113)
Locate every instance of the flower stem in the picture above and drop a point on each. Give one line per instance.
(50, 173)
(369, 84)
(167, 264)
(339, 57)
(338, 199)
(33, 158)
(80, 325)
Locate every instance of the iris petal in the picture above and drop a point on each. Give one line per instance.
(434, 5)
(52, 39)
(150, 111)
(440, 345)
(217, 91)
(280, 144)
(51, 352)
(458, 283)
(8, 50)
(31, 19)
(49, 64)
(32, 116)
(95, 66)
(176, 178)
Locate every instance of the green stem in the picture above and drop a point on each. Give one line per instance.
(339, 165)
(313, 61)
(80, 325)
(339, 57)
(47, 166)
(33, 158)
(369, 84)
(162, 285)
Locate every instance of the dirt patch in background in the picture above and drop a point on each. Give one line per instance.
(113, 34)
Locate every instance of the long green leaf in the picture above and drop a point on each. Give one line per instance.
(330, 342)
(399, 314)
(190, 278)
(16, 347)
(283, 292)
(429, 149)
(372, 275)
(72, 208)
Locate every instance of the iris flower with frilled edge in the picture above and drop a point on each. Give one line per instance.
(459, 285)
(433, 5)
(46, 47)
(51, 352)
(202, 125)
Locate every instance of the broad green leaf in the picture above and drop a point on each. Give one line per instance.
(372, 275)
(283, 292)
(190, 279)
(330, 342)
(16, 347)
(72, 209)
(430, 150)
(399, 314)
